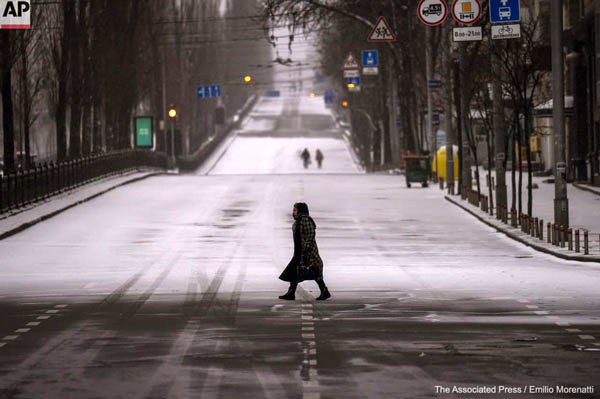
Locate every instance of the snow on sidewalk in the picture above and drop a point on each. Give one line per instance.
(18, 220)
(584, 209)
(584, 214)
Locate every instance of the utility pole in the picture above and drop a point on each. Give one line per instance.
(499, 133)
(164, 99)
(446, 44)
(561, 202)
(429, 77)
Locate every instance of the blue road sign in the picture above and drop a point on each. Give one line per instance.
(355, 81)
(273, 93)
(434, 84)
(208, 91)
(504, 11)
(215, 90)
(370, 58)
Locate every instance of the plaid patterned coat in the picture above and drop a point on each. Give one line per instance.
(306, 251)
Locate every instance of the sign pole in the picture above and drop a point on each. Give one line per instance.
(561, 202)
(429, 73)
(499, 134)
(448, 111)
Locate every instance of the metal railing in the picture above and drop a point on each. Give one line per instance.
(45, 180)
(577, 240)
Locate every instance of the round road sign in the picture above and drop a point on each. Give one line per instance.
(432, 12)
(466, 12)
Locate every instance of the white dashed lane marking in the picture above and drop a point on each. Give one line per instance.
(49, 313)
(587, 337)
(584, 337)
(310, 383)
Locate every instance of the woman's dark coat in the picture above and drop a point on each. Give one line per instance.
(306, 252)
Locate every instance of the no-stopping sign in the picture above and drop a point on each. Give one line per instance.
(432, 12)
(466, 12)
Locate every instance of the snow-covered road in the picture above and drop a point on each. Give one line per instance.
(168, 287)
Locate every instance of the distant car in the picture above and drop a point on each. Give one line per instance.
(433, 9)
(504, 12)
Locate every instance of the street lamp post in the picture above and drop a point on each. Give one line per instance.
(561, 202)
(173, 117)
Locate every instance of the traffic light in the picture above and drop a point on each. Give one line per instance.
(351, 85)
(247, 79)
(172, 113)
(345, 104)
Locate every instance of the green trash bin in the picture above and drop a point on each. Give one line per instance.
(418, 170)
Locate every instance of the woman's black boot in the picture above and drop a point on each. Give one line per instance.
(324, 291)
(291, 294)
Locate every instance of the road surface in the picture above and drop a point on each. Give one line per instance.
(168, 288)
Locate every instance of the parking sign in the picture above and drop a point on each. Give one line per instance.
(504, 11)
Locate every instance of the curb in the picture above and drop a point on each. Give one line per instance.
(33, 222)
(584, 188)
(579, 258)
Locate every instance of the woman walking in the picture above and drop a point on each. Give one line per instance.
(306, 264)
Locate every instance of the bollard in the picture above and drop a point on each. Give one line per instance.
(535, 231)
(554, 240)
(520, 223)
(577, 240)
(549, 233)
(441, 183)
(542, 229)
(586, 245)
(570, 233)
(561, 236)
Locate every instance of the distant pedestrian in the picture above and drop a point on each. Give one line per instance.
(305, 158)
(306, 264)
(319, 157)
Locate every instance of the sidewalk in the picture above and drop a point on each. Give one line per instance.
(584, 214)
(16, 221)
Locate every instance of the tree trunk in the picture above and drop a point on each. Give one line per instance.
(75, 84)
(25, 108)
(459, 128)
(489, 159)
(519, 144)
(63, 65)
(529, 172)
(513, 170)
(7, 104)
